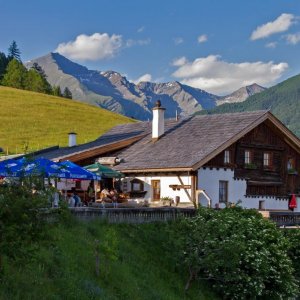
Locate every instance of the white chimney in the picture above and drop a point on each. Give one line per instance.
(158, 122)
(72, 139)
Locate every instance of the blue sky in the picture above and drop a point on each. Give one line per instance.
(214, 45)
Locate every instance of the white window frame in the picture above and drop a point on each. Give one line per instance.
(267, 159)
(247, 158)
(227, 157)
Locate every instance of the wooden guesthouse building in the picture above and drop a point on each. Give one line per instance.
(248, 157)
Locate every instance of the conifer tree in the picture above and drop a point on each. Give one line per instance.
(43, 86)
(57, 91)
(35, 82)
(3, 64)
(67, 93)
(39, 69)
(14, 52)
(15, 75)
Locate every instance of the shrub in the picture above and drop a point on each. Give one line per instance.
(293, 236)
(242, 254)
(22, 220)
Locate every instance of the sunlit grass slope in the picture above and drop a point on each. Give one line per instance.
(39, 120)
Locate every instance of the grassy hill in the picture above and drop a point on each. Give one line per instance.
(282, 99)
(40, 120)
(135, 264)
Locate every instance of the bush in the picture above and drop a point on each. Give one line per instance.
(293, 235)
(242, 254)
(22, 221)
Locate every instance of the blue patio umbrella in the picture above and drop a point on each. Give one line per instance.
(76, 172)
(44, 167)
(41, 167)
(10, 168)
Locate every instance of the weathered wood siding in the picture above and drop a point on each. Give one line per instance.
(263, 181)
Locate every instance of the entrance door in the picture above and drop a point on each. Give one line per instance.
(155, 184)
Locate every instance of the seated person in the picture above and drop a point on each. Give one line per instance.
(77, 200)
(90, 192)
(105, 195)
(114, 197)
(123, 197)
(71, 200)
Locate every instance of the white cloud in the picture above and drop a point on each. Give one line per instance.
(202, 38)
(91, 47)
(131, 43)
(178, 40)
(220, 77)
(179, 61)
(293, 38)
(141, 29)
(281, 24)
(145, 77)
(271, 45)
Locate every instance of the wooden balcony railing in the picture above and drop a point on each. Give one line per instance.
(285, 218)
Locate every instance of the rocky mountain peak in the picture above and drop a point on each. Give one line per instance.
(241, 94)
(113, 91)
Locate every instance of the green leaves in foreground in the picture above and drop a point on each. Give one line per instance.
(21, 220)
(243, 255)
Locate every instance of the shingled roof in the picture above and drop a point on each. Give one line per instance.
(117, 134)
(189, 143)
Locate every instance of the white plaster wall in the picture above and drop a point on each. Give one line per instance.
(69, 184)
(165, 190)
(65, 184)
(209, 181)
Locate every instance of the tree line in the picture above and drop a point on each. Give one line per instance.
(14, 74)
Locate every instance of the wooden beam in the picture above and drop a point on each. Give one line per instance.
(193, 190)
(185, 190)
(152, 170)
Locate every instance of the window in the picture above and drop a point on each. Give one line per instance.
(137, 185)
(267, 160)
(226, 157)
(248, 157)
(261, 205)
(291, 166)
(124, 185)
(223, 191)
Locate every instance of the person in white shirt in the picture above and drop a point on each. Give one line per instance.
(71, 200)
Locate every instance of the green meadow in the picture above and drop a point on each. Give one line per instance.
(34, 121)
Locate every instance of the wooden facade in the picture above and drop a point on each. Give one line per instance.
(265, 159)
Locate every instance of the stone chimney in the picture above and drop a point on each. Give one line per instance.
(72, 139)
(158, 122)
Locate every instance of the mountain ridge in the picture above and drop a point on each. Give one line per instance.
(283, 100)
(241, 94)
(112, 91)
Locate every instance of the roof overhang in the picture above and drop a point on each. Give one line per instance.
(156, 170)
(98, 150)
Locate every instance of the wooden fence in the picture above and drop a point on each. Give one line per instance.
(285, 218)
(162, 214)
(132, 215)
